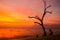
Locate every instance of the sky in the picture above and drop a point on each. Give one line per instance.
(16, 12)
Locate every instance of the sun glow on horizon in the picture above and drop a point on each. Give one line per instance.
(17, 15)
(14, 21)
(8, 18)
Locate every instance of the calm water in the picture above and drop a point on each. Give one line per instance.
(9, 33)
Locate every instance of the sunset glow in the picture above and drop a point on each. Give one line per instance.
(14, 13)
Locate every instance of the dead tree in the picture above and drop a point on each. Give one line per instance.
(41, 19)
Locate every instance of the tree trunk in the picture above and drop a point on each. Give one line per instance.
(44, 29)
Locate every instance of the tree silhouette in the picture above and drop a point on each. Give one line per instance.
(41, 19)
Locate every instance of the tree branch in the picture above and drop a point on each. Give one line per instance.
(48, 12)
(44, 4)
(30, 17)
(37, 23)
(36, 17)
(45, 8)
(48, 6)
(43, 15)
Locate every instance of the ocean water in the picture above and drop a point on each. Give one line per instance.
(22, 34)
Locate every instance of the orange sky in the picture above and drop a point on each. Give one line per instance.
(17, 15)
(14, 13)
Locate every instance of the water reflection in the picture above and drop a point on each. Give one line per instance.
(20, 34)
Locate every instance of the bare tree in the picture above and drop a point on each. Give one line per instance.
(41, 19)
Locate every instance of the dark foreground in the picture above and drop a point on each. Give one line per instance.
(53, 37)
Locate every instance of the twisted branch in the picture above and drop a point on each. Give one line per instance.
(41, 20)
(48, 6)
(45, 9)
(38, 23)
(36, 17)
